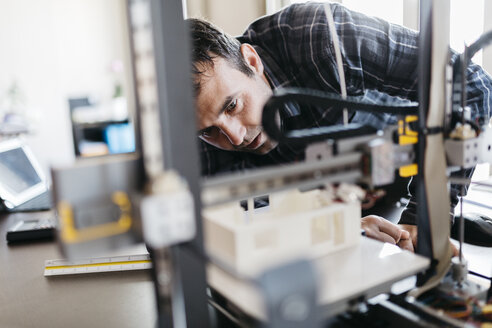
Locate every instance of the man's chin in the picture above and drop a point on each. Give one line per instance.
(265, 148)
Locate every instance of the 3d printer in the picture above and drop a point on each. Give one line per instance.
(302, 286)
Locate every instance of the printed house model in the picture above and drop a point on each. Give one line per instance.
(312, 225)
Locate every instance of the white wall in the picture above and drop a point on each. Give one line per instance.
(57, 49)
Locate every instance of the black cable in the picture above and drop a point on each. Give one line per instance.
(489, 292)
(225, 313)
(321, 98)
(477, 204)
(336, 103)
(480, 275)
(460, 67)
(474, 126)
(483, 184)
(483, 41)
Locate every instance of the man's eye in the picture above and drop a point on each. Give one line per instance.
(231, 106)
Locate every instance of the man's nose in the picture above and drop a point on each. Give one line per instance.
(234, 131)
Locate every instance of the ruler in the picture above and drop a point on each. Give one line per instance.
(99, 264)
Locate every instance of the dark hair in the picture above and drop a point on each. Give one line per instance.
(208, 42)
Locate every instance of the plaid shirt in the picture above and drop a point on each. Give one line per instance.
(380, 65)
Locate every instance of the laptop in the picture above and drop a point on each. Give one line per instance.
(23, 185)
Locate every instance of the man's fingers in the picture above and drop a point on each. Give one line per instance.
(454, 249)
(412, 230)
(378, 228)
(406, 244)
(381, 236)
(405, 235)
(406, 241)
(391, 229)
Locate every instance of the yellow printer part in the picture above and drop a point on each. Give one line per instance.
(71, 235)
(406, 136)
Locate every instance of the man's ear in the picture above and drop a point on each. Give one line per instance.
(252, 58)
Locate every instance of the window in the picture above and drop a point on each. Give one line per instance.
(467, 24)
(390, 10)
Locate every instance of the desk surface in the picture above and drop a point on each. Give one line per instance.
(28, 299)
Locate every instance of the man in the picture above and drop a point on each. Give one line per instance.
(233, 79)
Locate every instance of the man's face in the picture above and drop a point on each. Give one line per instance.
(230, 105)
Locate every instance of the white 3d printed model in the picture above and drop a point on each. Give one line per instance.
(311, 225)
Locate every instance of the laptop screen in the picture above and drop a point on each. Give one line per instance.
(16, 171)
(21, 177)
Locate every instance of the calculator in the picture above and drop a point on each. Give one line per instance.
(32, 229)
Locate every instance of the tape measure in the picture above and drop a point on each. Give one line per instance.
(100, 264)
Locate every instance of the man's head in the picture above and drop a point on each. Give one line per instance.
(231, 89)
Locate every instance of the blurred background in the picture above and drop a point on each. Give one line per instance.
(65, 70)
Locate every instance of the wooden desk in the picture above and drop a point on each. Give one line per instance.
(28, 299)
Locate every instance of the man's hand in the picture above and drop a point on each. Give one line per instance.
(411, 243)
(378, 228)
(403, 235)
